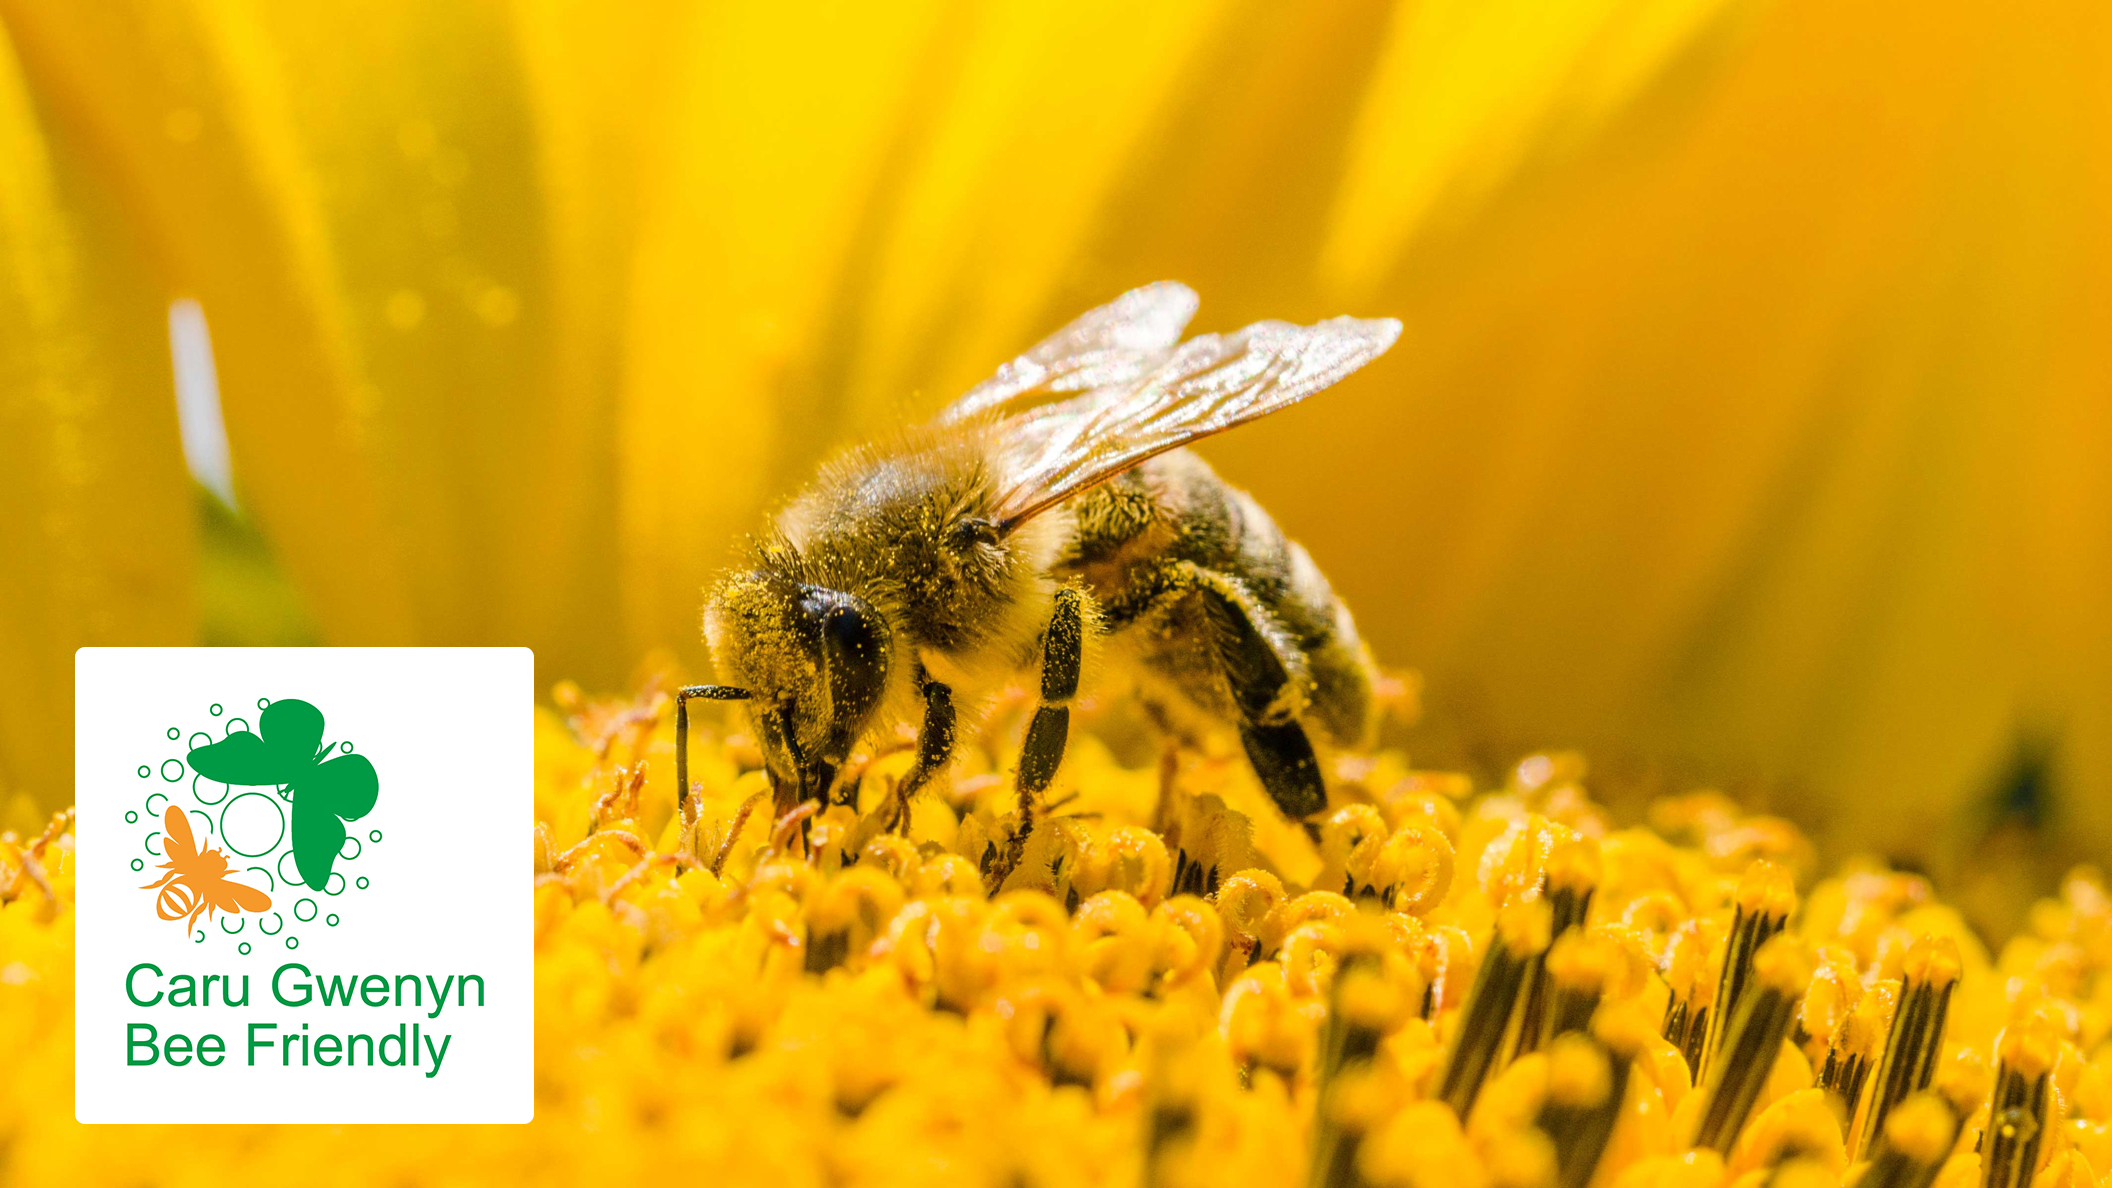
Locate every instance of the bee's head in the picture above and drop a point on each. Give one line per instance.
(815, 663)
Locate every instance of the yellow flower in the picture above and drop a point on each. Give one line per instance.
(822, 1001)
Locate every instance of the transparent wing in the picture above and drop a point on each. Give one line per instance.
(1212, 383)
(1114, 344)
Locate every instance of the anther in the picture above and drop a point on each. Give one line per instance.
(1521, 935)
(2018, 1107)
(1915, 1038)
(1585, 1084)
(1572, 873)
(1751, 1041)
(1764, 901)
(1915, 1141)
(1685, 970)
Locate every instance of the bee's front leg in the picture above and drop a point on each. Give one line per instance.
(684, 805)
(935, 737)
(1062, 658)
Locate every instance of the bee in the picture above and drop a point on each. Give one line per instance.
(197, 883)
(1049, 518)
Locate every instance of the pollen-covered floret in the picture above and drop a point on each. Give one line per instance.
(1174, 985)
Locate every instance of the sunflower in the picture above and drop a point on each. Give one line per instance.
(1747, 429)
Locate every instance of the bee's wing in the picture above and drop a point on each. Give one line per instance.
(1114, 344)
(232, 895)
(179, 842)
(1212, 383)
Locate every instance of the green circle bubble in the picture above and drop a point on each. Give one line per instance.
(262, 702)
(139, 864)
(131, 817)
(293, 942)
(198, 739)
(352, 842)
(216, 709)
(237, 726)
(239, 922)
(291, 880)
(198, 938)
(175, 733)
(374, 836)
(243, 948)
(151, 835)
(347, 746)
(200, 796)
(331, 919)
(361, 883)
(163, 797)
(304, 903)
(272, 931)
(166, 764)
(145, 771)
(335, 884)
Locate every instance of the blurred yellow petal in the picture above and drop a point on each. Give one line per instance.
(486, 398)
(1748, 439)
(792, 126)
(96, 537)
(181, 107)
(1466, 95)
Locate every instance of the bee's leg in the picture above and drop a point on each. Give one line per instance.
(1267, 677)
(683, 806)
(935, 736)
(1062, 656)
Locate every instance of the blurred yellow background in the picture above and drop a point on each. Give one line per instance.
(1750, 425)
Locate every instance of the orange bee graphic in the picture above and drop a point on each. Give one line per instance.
(197, 884)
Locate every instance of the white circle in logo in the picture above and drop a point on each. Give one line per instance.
(252, 824)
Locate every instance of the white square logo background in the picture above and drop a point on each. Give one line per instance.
(450, 732)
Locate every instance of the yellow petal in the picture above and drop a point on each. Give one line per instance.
(95, 510)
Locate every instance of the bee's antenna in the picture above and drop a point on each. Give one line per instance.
(682, 696)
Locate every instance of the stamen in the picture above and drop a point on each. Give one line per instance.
(2018, 1108)
(1685, 970)
(1765, 898)
(1375, 991)
(1585, 1084)
(1521, 935)
(1572, 873)
(1915, 1038)
(1860, 1046)
(1916, 1140)
(1579, 967)
(1752, 1041)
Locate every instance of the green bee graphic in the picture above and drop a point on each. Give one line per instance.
(288, 751)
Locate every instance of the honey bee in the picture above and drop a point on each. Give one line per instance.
(197, 883)
(1048, 518)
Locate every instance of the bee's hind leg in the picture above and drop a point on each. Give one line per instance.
(935, 738)
(1267, 677)
(1062, 658)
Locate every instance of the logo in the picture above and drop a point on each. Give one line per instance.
(318, 786)
(277, 849)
